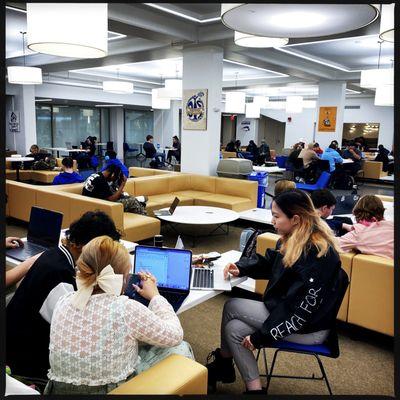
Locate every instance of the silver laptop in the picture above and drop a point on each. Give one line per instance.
(170, 211)
(43, 233)
(210, 278)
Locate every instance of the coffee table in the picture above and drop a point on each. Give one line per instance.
(200, 215)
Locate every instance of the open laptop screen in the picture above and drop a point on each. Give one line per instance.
(171, 267)
(44, 227)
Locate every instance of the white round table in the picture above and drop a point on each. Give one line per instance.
(19, 160)
(201, 215)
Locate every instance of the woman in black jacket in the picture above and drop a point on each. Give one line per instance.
(299, 302)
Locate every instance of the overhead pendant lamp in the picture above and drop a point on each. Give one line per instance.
(24, 75)
(172, 89)
(118, 87)
(262, 101)
(158, 102)
(384, 95)
(78, 30)
(247, 40)
(296, 20)
(294, 104)
(235, 102)
(252, 110)
(386, 31)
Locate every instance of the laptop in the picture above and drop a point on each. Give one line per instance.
(345, 204)
(210, 278)
(43, 233)
(172, 269)
(170, 211)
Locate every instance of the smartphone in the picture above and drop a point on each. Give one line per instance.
(130, 291)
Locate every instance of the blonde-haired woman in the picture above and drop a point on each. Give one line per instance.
(95, 331)
(298, 304)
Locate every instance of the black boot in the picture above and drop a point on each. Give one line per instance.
(220, 369)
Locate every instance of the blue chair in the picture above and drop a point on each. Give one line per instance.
(330, 348)
(322, 183)
(281, 161)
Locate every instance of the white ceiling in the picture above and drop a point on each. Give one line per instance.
(154, 40)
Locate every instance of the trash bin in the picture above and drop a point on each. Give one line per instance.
(262, 179)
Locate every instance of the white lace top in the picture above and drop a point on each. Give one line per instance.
(99, 345)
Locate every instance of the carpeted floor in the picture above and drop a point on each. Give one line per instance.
(366, 362)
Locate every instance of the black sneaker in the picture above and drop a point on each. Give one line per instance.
(220, 369)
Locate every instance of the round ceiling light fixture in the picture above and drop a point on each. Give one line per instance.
(386, 31)
(78, 30)
(172, 89)
(296, 20)
(372, 78)
(247, 40)
(159, 103)
(118, 87)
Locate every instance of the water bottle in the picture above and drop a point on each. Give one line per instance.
(158, 146)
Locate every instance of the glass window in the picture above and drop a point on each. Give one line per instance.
(74, 124)
(105, 125)
(43, 126)
(138, 124)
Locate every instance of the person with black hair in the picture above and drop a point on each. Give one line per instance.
(176, 150)
(111, 158)
(331, 154)
(383, 157)
(354, 154)
(151, 151)
(230, 146)
(68, 175)
(253, 149)
(324, 202)
(27, 322)
(109, 185)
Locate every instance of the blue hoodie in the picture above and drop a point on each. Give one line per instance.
(67, 177)
(117, 162)
(333, 157)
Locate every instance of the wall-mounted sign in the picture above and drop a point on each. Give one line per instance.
(245, 126)
(13, 121)
(327, 119)
(195, 109)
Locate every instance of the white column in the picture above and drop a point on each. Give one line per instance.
(166, 124)
(202, 69)
(117, 130)
(331, 94)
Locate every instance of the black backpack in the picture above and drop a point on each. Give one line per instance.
(251, 244)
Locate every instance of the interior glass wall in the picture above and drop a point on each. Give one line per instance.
(138, 124)
(43, 126)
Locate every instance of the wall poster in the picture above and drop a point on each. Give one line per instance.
(327, 119)
(194, 109)
(13, 121)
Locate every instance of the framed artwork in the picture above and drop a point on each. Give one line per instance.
(194, 113)
(327, 119)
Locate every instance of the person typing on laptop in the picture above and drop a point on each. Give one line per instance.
(27, 330)
(108, 351)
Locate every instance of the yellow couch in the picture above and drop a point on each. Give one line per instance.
(228, 154)
(36, 176)
(136, 172)
(175, 375)
(191, 189)
(369, 299)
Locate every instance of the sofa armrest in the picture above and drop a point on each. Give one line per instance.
(175, 375)
(373, 169)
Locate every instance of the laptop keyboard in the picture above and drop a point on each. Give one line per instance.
(203, 278)
(171, 297)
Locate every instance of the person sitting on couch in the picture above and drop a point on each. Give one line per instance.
(111, 328)
(372, 234)
(111, 158)
(68, 175)
(109, 185)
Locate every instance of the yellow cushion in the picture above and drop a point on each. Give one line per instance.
(44, 176)
(264, 241)
(371, 303)
(347, 262)
(130, 186)
(139, 227)
(178, 182)
(235, 187)
(224, 201)
(151, 185)
(192, 194)
(175, 375)
(70, 188)
(203, 183)
(80, 204)
(373, 169)
(21, 198)
(136, 171)
(11, 174)
(228, 154)
(55, 201)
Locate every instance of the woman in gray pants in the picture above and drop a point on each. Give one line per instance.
(298, 304)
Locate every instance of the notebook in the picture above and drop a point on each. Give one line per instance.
(170, 211)
(172, 269)
(43, 233)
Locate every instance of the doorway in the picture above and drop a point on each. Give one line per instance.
(273, 132)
